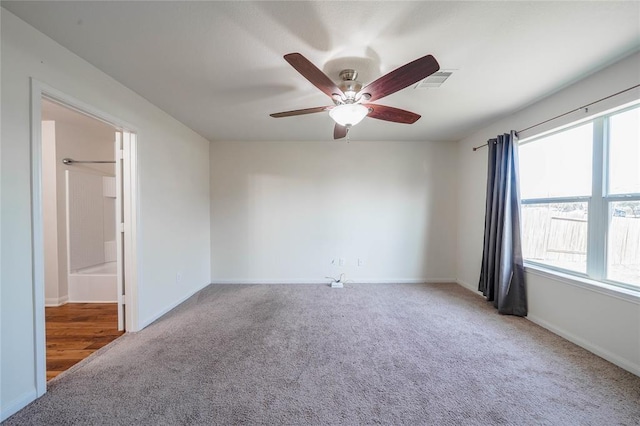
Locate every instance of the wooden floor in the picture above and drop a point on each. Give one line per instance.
(76, 330)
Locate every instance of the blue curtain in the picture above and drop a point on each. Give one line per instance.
(502, 273)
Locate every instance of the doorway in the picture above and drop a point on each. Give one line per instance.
(80, 252)
(84, 222)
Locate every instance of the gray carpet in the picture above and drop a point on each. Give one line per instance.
(432, 354)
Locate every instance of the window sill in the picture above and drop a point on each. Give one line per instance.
(585, 283)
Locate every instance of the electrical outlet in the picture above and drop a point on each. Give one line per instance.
(342, 261)
(178, 277)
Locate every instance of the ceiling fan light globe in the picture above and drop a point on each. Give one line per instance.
(349, 114)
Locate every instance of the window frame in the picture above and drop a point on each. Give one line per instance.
(598, 203)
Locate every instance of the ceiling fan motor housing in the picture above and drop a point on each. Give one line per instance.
(349, 85)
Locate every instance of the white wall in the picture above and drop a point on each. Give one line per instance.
(604, 324)
(173, 195)
(282, 211)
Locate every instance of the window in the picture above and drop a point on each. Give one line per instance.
(580, 190)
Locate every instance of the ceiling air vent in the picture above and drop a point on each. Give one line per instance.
(434, 80)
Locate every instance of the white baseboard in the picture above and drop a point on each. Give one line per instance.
(347, 281)
(253, 281)
(405, 281)
(52, 303)
(17, 404)
(56, 301)
(170, 306)
(471, 288)
(601, 352)
(468, 286)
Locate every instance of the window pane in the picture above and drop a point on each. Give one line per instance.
(624, 152)
(558, 165)
(624, 242)
(556, 234)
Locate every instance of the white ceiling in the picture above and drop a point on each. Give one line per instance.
(218, 66)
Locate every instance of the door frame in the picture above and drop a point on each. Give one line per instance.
(41, 91)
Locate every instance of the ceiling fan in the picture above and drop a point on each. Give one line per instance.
(351, 100)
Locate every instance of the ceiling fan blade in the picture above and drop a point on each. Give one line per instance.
(387, 113)
(400, 78)
(300, 112)
(339, 131)
(313, 74)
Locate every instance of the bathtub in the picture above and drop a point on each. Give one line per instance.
(94, 284)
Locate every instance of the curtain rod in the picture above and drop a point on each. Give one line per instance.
(475, 148)
(69, 161)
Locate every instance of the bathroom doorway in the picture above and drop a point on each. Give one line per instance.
(84, 227)
(79, 210)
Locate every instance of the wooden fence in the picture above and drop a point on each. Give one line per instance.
(549, 235)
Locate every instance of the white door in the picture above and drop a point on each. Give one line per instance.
(120, 228)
